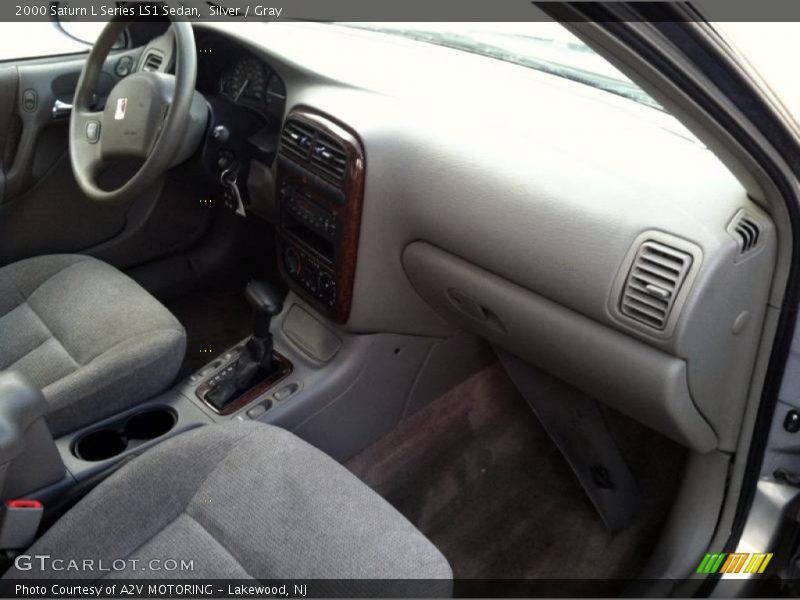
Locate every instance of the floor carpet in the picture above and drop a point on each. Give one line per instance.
(476, 472)
(214, 321)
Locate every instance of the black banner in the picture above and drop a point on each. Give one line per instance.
(371, 10)
(352, 588)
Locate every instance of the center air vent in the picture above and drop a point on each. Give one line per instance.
(152, 62)
(653, 283)
(329, 157)
(319, 151)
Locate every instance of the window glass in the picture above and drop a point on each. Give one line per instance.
(545, 46)
(38, 39)
(770, 48)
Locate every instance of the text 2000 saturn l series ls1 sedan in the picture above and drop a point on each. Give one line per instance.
(397, 308)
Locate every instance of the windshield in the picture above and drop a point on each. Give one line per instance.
(547, 47)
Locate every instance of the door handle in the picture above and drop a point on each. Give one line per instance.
(61, 109)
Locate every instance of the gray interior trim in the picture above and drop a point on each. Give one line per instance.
(692, 520)
(188, 417)
(649, 385)
(774, 504)
(574, 422)
(310, 334)
(761, 189)
(362, 392)
(28, 457)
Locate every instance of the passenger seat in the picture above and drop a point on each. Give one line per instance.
(242, 501)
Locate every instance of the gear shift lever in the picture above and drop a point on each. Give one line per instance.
(267, 303)
(255, 362)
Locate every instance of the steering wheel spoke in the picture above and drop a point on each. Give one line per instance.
(86, 130)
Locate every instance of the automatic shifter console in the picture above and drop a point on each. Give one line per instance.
(255, 366)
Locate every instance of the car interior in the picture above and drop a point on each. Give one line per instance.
(478, 320)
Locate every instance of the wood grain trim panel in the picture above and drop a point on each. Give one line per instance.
(282, 369)
(348, 212)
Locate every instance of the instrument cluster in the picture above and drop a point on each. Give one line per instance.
(232, 74)
(249, 82)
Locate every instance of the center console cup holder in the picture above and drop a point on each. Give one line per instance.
(125, 434)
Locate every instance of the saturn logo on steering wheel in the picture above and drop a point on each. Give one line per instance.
(122, 107)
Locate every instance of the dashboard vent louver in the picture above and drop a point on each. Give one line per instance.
(746, 231)
(329, 156)
(152, 62)
(296, 139)
(323, 153)
(653, 283)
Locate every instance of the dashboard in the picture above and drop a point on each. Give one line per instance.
(247, 102)
(586, 234)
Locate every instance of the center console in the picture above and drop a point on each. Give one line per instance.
(320, 182)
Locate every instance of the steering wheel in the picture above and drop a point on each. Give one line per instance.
(147, 117)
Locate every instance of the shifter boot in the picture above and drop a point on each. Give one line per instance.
(254, 365)
(222, 393)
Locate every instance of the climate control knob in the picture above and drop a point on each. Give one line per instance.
(292, 262)
(327, 288)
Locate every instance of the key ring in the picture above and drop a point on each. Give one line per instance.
(228, 176)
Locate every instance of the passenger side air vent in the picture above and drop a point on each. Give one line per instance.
(746, 231)
(321, 152)
(152, 62)
(653, 283)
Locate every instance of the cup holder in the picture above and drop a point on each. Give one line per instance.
(99, 445)
(125, 434)
(149, 425)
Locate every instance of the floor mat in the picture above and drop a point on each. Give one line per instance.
(476, 472)
(214, 321)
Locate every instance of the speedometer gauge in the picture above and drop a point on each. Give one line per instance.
(247, 80)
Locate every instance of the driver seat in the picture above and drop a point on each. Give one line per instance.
(89, 336)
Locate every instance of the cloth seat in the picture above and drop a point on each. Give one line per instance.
(93, 339)
(242, 500)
